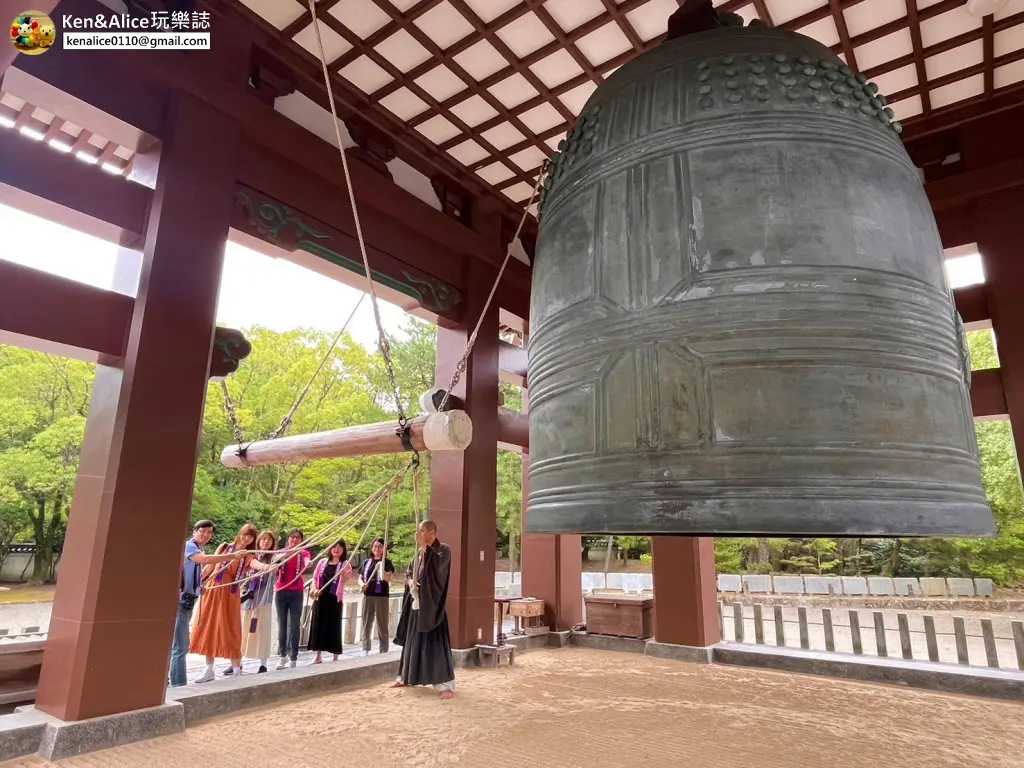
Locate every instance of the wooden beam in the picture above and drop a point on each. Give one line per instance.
(763, 13)
(70, 91)
(988, 397)
(972, 303)
(514, 429)
(957, 114)
(57, 316)
(933, 149)
(42, 171)
(449, 431)
(914, 24)
(512, 360)
(55, 310)
(954, 191)
(268, 131)
(956, 227)
(988, 53)
(318, 195)
(844, 34)
(394, 247)
(11, 339)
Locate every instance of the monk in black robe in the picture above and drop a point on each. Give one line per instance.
(423, 627)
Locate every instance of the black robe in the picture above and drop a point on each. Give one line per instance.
(423, 634)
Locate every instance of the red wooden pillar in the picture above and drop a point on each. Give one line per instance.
(552, 566)
(113, 613)
(1000, 230)
(464, 486)
(685, 591)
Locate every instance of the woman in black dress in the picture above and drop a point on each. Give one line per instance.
(328, 594)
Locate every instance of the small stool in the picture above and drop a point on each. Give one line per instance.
(496, 654)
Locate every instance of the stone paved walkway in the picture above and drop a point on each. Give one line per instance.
(196, 664)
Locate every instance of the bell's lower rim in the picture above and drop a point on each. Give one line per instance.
(784, 518)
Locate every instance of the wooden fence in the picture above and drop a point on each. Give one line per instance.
(842, 630)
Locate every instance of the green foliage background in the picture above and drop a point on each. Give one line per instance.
(44, 402)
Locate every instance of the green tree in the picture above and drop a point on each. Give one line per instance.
(731, 554)
(812, 556)
(350, 389)
(43, 403)
(44, 400)
(633, 546)
(510, 504)
(983, 349)
(42, 474)
(13, 522)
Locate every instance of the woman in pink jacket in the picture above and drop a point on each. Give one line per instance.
(328, 594)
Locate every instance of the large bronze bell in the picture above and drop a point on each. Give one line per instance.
(740, 323)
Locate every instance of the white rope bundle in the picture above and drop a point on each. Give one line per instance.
(328, 534)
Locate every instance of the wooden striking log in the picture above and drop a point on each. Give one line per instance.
(449, 431)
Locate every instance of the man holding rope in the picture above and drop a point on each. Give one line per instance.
(288, 599)
(426, 642)
(191, 583)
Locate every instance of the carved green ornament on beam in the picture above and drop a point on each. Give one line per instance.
(230, 348)
(281, 226)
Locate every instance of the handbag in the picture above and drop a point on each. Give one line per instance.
(188, 599)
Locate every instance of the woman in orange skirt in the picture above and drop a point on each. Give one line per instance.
(218, 629)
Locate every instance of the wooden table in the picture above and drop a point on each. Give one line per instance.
(529, 615)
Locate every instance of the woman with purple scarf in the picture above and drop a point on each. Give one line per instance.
(328, 594)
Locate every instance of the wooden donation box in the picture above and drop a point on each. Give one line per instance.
(530, 611)
(620, 616)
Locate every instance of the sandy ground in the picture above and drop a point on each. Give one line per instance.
(574, 707)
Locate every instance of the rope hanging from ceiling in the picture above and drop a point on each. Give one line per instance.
(441, 430)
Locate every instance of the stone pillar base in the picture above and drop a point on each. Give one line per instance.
(62, 739)
(696, 654)
(20, 733)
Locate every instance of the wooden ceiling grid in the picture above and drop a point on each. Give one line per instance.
(493, 85)
(488, 88)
